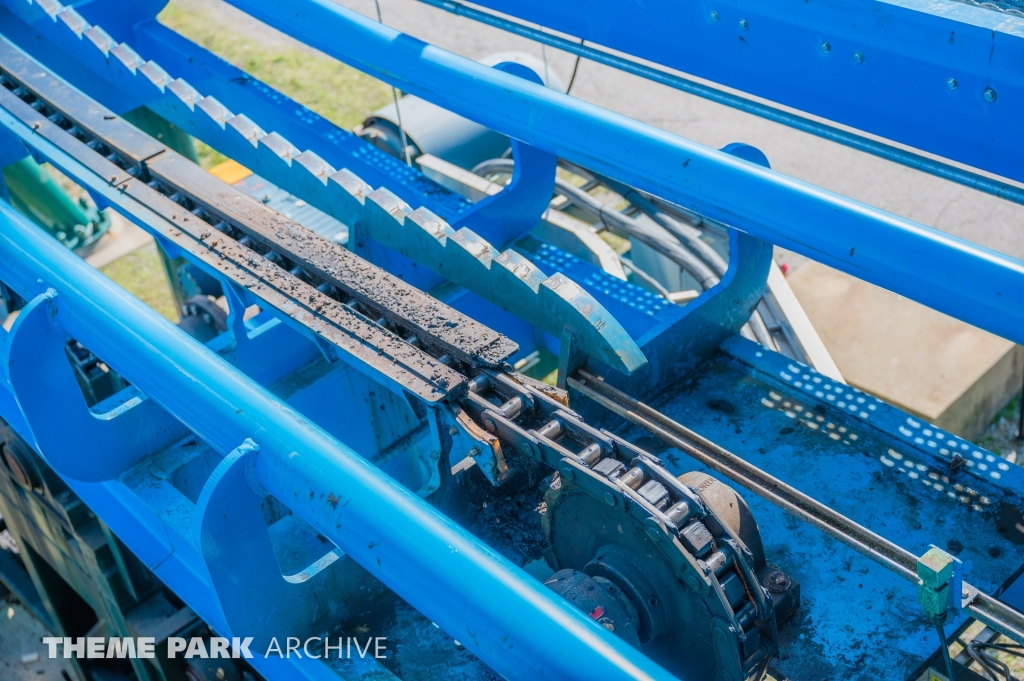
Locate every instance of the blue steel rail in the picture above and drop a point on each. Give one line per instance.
(770, 112)
(974, 284)
(509, 619)
(935, 75)
(971, 283)
(413, 549)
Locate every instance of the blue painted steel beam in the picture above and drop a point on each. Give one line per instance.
(971, 283)
(508, 619)
(881, 66)
(860, 142)
(46, 39)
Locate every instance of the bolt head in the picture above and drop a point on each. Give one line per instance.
(713, 16)
(654, 533)
(952, 84)
(743, 24)
(609, 498)
(858, 57)
(826, 48)
(568, 473)
(777, 581)
(989, 94)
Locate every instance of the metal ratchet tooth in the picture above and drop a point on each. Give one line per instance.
(506, 278)
(74, 21)
(51, 7)
(101, 39)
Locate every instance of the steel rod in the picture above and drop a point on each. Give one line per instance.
(992, 612)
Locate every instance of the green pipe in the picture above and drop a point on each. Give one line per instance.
(34, 192)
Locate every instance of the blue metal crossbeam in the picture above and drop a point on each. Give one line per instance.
(941, 76)
(971, 283)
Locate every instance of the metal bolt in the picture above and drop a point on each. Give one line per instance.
(743, 24)
(777, 581)
(568, 473)
(654, 533)
(713, 16)
(826, 48)
(989, 94)
(858, 57)
(609, 498)
(453, 430)
(475, 451)
(952, 84)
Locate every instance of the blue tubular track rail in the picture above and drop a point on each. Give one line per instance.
(864, 241)
(303, 469)
(914, 25)
(272, 447)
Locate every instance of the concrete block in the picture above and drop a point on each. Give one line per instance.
(940, 369)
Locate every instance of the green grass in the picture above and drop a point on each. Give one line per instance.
(337, 92)
(142, 274)
(208, 156)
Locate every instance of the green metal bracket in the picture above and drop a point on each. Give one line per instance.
(939, 583)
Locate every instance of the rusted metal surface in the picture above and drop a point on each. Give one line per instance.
(432, 321)
(369, 343)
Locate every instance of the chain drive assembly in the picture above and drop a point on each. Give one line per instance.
(674, 565)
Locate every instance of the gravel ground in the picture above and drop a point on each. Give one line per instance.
(21, 635)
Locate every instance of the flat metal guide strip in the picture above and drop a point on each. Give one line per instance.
(345, 299)
(506, 279)
(985, 608)
(414, 338)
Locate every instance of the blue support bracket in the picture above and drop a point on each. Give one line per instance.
(250, 346)
(85, 444)
(716, 315)
(517, 208)
(230, 530)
